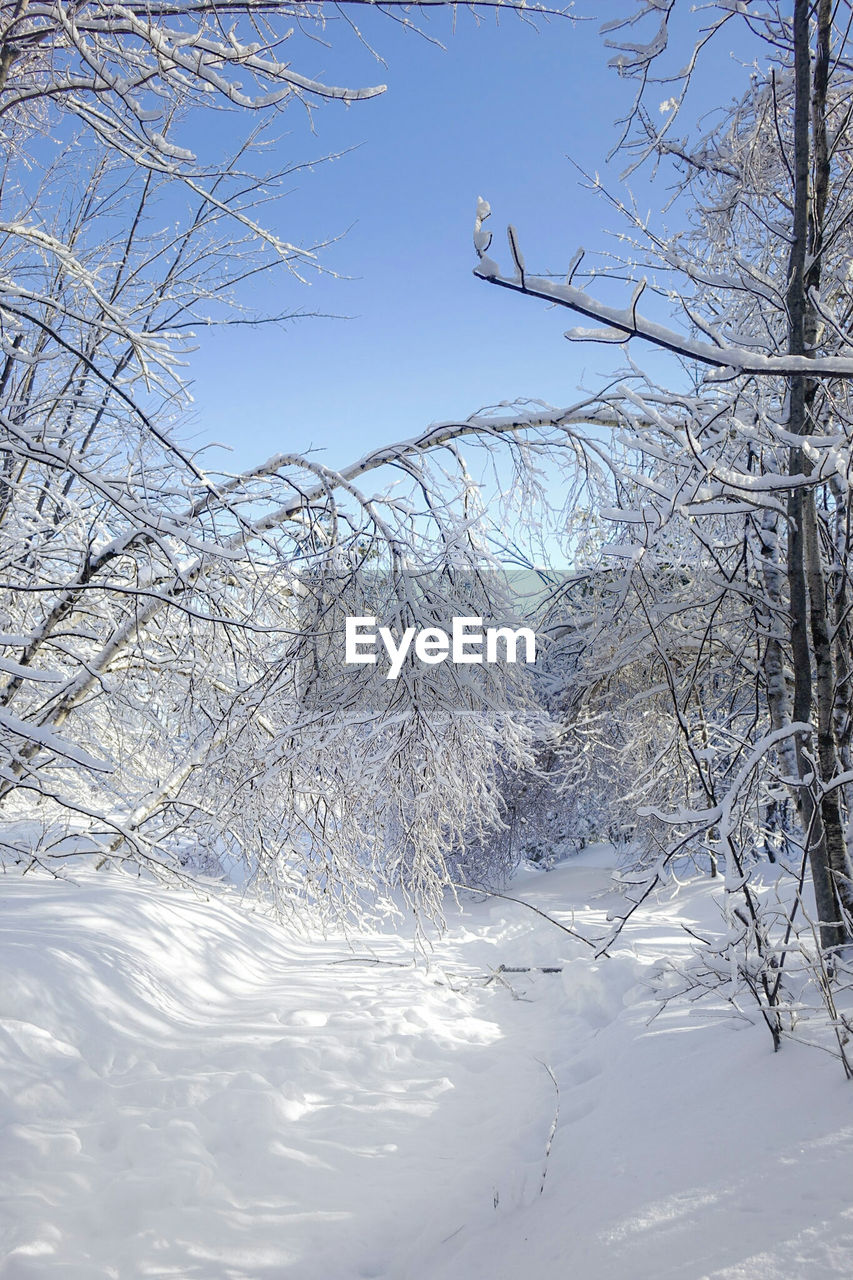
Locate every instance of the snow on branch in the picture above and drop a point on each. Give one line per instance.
(622, 324)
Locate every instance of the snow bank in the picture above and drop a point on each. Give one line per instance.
(186, 1091)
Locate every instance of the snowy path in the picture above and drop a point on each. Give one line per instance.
(187, 1092)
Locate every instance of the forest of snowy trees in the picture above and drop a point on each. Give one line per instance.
(321, 968)
(173, 695)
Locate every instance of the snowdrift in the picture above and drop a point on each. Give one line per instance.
(187, 1091)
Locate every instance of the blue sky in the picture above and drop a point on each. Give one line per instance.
(494, 113)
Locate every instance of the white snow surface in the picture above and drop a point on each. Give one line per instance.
(188, 1091)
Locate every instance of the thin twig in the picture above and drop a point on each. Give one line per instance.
(492, 893)
(553, 1128)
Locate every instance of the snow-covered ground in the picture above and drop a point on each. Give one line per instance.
(187, 1091)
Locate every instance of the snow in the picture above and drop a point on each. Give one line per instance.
(32, 732)
(11, 668)
(624, 323)
(188, 1090)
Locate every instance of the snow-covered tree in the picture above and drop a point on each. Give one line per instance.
(161, 621)
(732, 512)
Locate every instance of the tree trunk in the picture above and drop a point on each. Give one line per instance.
(810, 635)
